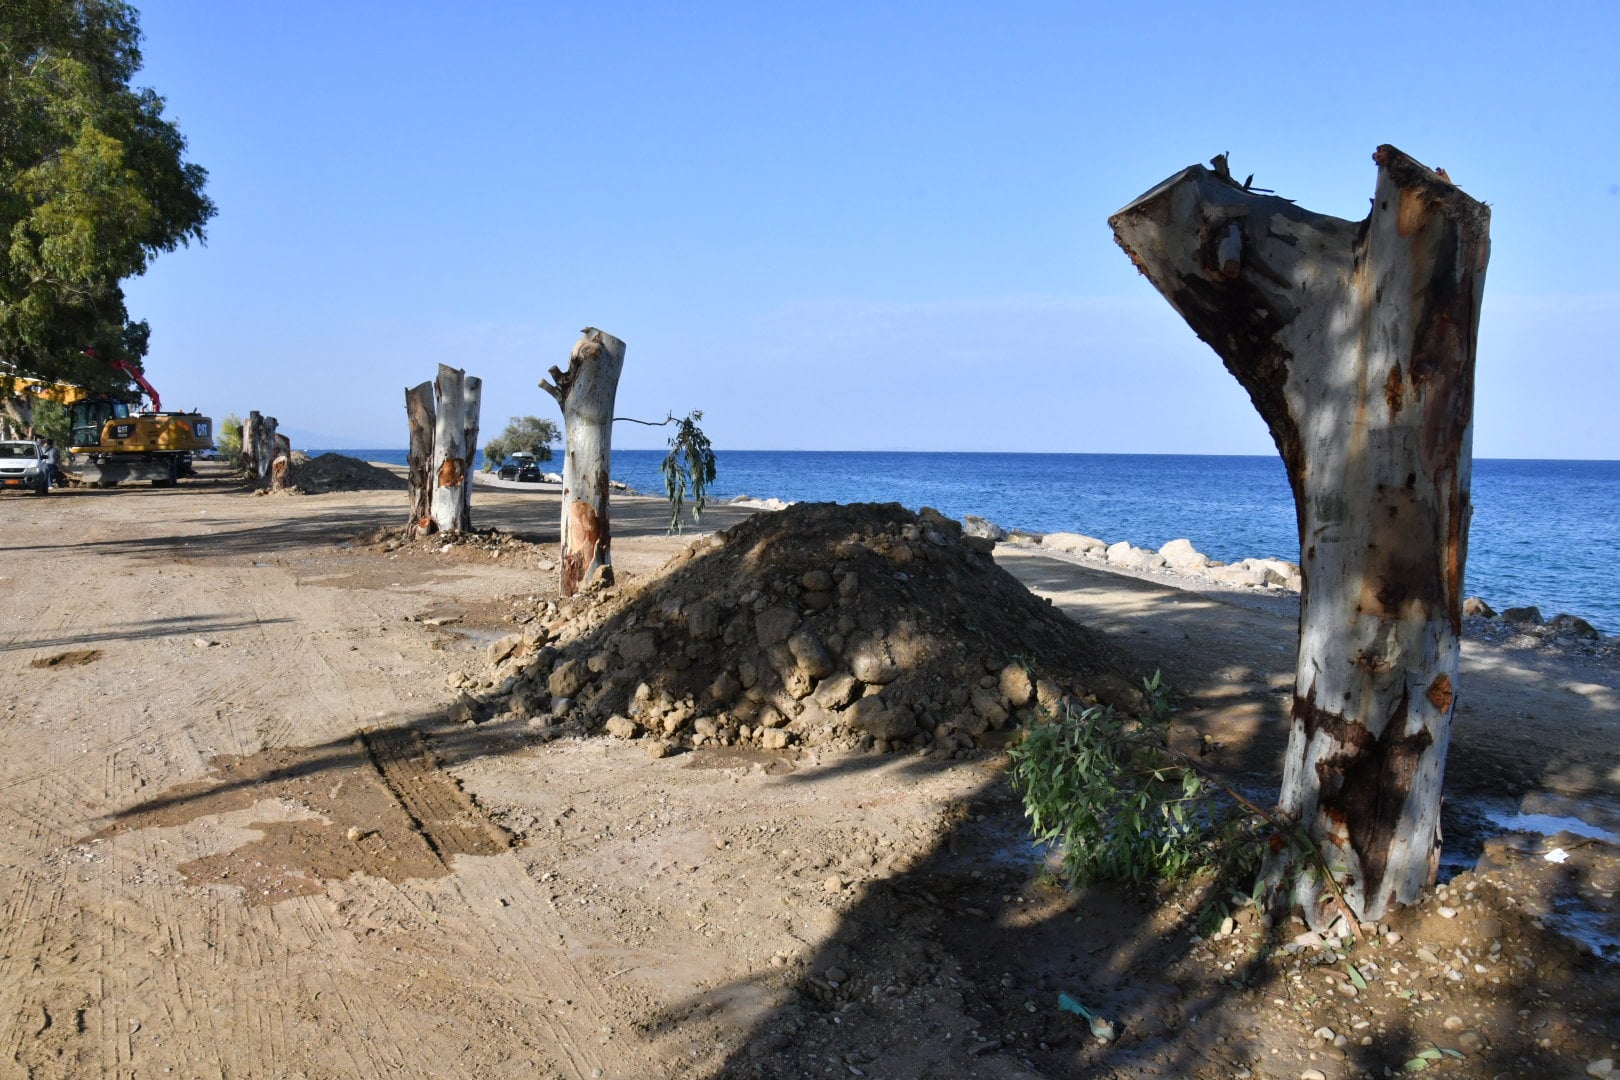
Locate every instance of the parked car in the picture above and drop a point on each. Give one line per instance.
(521, 466)
(22, 465)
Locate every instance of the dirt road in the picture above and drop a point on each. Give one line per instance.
(239, 837)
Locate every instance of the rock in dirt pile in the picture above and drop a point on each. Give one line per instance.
(856, 626)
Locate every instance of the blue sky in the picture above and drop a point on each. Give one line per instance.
(849, 226)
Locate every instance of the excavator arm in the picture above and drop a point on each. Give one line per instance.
(135, 373)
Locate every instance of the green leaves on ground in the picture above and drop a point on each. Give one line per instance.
(93, 185)
(1121, 805)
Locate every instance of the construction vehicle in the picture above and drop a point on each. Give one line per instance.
(116, 442)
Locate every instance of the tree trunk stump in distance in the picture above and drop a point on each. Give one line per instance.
(1356, 343)
(456, 397)
(421, 419)
(586, 392)
(250, 445)
(258, 447)
(281, 463)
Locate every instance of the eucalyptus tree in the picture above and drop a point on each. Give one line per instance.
(1356, 342)
(93, 185)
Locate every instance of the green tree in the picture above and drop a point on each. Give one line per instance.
(525, 433)
(52, 421)
(229, 440)
(93, 185)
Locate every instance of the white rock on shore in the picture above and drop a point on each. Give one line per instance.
(1073, 543)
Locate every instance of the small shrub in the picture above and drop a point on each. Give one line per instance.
(229, 441)
(1121, 805)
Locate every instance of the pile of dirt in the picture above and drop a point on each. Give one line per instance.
(337, 472)
(855, 626)
(396, 540)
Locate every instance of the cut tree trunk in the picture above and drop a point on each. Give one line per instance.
(281, 463)
(1356, 342)
(474, 393)
(456, 398)
(586, 392)
(250, 445)
(258, 447)
(421, 419)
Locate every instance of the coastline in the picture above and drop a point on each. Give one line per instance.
(1262, 583)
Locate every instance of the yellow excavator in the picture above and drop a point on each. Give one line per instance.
(117, 443)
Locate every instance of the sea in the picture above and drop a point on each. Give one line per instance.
(1545, 533)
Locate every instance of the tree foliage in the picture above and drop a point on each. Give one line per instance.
(522, 433)
(229, 440)
(689, 467)
(93, 185)
(52, 421)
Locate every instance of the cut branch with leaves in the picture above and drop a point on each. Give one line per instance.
(688, 469)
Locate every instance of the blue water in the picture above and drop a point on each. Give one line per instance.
(1544, 532)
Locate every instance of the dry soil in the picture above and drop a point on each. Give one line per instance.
(243, 834)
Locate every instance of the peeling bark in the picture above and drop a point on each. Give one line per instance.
(259, 447)
(456, 400)
(586, 392)
(421, 419)
(280, 463)
(1356, 343)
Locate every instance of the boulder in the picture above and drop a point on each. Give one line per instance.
(1573, 626)
(811, 655)
(872, 716)
(950, 528)
(638, 648)
(1183, 557)
(1277, 572)
(620, 727)
(1016, 685)
(703, 620)
(990, 707)
(1523, 616)
(816, 581)
(1129, 557)
(568, 679)
(871, 663)
(1237, 574)
(773, 625)
(1477, 607)
(506, 646)
(837, 691)
(973, 525)
(1073, 543)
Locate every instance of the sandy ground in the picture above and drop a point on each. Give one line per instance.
(239, 837)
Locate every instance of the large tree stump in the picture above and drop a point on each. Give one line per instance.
(281, 463)
(586, 392)
(250, 445)
(258, 447)
(1355, 341)
(421, 419)
(456, 399)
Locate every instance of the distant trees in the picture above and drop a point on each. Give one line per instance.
(93, 185)
(528, 434)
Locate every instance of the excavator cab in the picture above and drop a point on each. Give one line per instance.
(90, 419)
